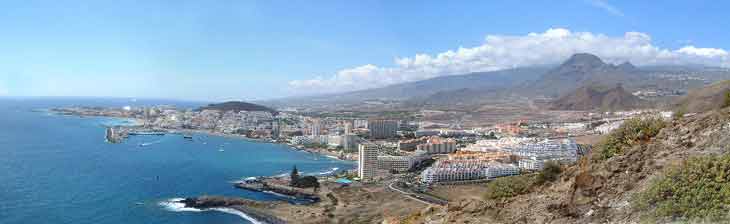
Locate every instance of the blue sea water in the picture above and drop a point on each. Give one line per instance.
(58, 169)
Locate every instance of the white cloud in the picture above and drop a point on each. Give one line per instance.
(503, 51)
(607, 7)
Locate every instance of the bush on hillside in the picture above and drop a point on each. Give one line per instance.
(550, 173)
(726, 101)
(698, 189)
(632, 132)
(507, 187)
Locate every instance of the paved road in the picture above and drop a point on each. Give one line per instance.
(415, 196)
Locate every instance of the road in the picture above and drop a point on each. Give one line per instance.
(417, 197)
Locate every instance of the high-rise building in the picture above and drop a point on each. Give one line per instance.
(380, 129)
(316, 127)
(367, 164)
(349, 142)
(275, 129)
(348, 128)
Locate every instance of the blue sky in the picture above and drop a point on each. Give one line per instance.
(218, 50)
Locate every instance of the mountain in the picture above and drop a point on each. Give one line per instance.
(582, 70)
(597, 97)
(481, 81)
(237, 106)
(703, 99)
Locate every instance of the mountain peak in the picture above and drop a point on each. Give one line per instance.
(584, 60)
(627, 66)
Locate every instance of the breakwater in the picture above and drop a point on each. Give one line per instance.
(262, 185)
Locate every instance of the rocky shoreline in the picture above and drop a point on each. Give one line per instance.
(249, 207)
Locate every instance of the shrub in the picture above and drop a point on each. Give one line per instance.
(632, 132)
(726, 101)
(550, 173)
(507, 187)
(306, 182)
(698, 189)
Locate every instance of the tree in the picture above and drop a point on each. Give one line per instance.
(294, 176)
(307, 182)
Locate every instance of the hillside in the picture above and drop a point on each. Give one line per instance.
(597, 98)
(615, 189)
(236, 106)
(582, 70)
(704, 99)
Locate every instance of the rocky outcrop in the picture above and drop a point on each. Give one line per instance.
(251, 208)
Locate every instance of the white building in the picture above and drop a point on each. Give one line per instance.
(440, 173)
(534, 155)
(437, 145)
(367, 163)
(301, 140)
(334, 140)
(400, 163)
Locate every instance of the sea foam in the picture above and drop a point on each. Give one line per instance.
(176, 205)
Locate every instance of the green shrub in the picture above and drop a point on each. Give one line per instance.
(507, 187)
(550, 173)
(698, 189)
(726, 101)
(632, 132)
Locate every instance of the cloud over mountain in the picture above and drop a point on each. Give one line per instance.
(507, 51)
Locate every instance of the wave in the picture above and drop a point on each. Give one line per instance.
(238, 213)
(325, 173)
(176, 205)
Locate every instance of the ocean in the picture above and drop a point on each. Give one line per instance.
(58, 169)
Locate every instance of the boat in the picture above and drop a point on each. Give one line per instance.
(187, 137)
(221, 150)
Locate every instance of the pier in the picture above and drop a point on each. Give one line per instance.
(117, 134)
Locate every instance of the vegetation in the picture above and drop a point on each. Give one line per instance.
(302, 182)
(306, 182)
(507, 187)
(696, 190)
(550, 173)
(294, 176)
(679, 113)
(632, 132)
(726, 100)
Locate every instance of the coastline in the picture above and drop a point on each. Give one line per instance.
(328, 154)
(137, 122)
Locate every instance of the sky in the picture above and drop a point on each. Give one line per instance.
(255, 50)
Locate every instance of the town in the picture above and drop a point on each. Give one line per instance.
(397, 152)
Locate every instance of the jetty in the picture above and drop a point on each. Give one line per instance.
(263, 185)
(117, 134)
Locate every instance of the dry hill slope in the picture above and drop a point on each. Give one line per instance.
(704, 99)
(594, 97)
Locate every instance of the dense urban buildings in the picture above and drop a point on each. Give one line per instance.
(437, 145)
(383, 129)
